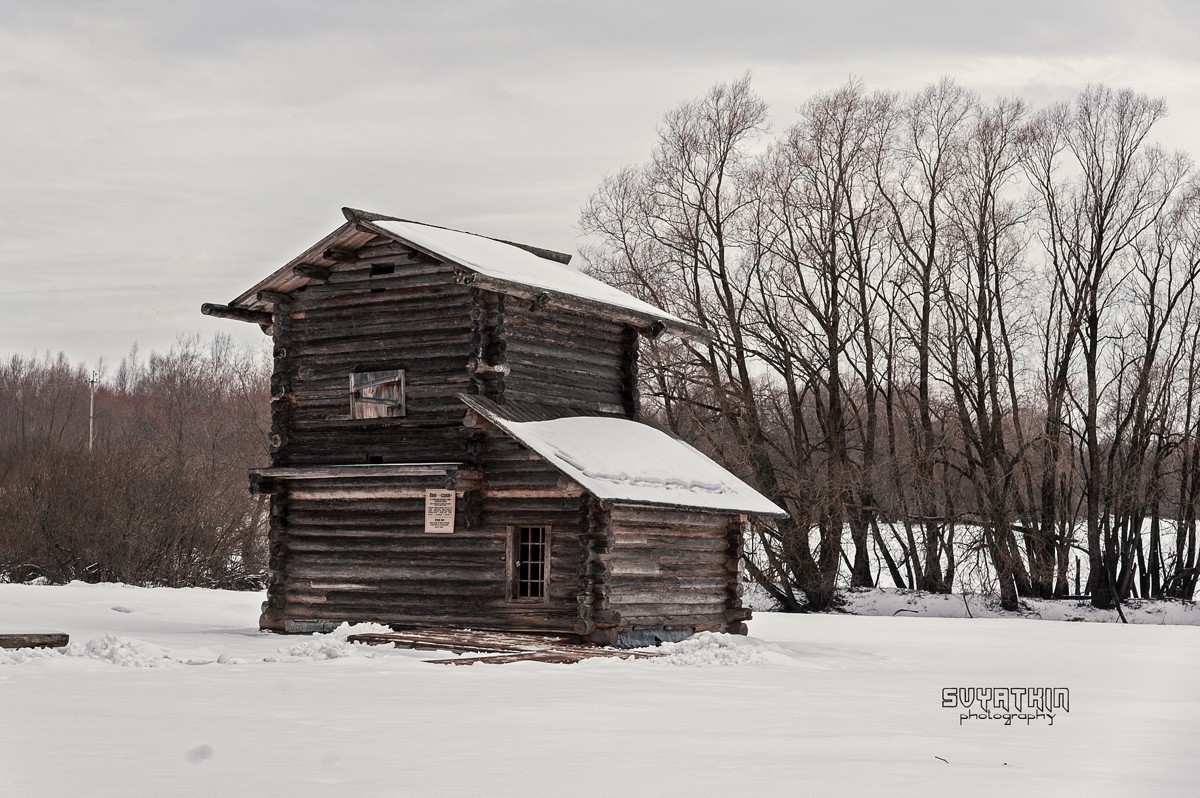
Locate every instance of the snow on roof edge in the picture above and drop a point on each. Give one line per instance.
(359, 215)
(517, 265)
(729, 495)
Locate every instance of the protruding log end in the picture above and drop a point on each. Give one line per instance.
(607, 617)
(311, 271)
(603, 637)
(259, 317)
(339, 255)
(269, 620)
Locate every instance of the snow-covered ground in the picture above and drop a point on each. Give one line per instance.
(175, 693)
(891, 602)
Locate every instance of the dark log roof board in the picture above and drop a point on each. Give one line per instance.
(554, 282)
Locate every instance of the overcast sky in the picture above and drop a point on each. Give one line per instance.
(157, 155)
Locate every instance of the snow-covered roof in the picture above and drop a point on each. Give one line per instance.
(520, 269)
(513, 264)
(622, 460)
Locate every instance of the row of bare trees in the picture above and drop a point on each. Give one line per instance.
(944, 332)
(158, 496)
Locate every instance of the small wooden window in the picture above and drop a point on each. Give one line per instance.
(377, 394)
(530, 562)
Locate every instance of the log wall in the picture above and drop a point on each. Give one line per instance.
(354, 549)
(669, 568)
(555, 354)
(383, 311)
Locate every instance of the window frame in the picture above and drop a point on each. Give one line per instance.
(375, 381)
(514, 579)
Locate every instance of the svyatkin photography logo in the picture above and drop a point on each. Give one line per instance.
(1007, 704)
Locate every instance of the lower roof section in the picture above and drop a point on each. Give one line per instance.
(618, 459)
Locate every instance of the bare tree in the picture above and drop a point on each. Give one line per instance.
(1101, 188)
(820, 237)
(161, 499)
(917, 189)
(894, 362)
(979, 287)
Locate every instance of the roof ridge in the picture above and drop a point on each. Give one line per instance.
(356, 215)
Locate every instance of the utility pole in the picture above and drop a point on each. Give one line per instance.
(95, 378)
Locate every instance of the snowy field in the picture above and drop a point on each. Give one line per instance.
(175, 693)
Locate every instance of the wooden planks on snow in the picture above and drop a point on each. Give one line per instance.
(496, 648)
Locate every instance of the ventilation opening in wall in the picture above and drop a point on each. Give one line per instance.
(530, 562)
(382, 268)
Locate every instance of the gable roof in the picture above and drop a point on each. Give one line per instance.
(504, 266)
(618, 459)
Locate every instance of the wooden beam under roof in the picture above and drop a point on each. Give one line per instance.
(260, 317)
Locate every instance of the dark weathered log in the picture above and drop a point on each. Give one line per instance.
(353, 326)
(478, 366)
(339, 255)
(659, 615)
(358, 473)
(462, 641)
(532, 493)
(274, 297)
(575, 355)
(587, 306)
(312, 272)
(559, 326)
(604, 637)
(33, 639)
(606, 617)
(260, 317)
(656, 594)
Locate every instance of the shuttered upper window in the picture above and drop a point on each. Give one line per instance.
(377, 394)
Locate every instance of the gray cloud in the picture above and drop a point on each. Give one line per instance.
(157, 155)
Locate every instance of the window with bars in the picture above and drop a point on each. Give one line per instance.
(530, 560)
(377, 394)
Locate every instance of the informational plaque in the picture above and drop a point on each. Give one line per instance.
(439, 511)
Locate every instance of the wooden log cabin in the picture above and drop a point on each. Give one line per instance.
(456, 442)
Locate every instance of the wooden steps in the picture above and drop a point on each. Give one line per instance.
(496, 648)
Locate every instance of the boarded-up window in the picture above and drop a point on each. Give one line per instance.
(530, 562)
(377, 394)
